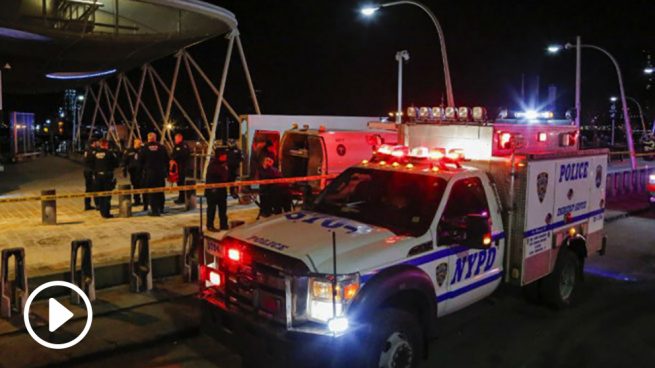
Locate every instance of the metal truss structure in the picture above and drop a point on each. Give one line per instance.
(102, 103)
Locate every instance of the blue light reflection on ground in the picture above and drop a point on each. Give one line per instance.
(609, 274)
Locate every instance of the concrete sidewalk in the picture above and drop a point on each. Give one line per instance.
(122, 320)
(48, 247)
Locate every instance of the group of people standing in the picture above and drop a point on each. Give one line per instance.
(147, 165)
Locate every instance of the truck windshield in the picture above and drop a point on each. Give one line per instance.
(404, 203)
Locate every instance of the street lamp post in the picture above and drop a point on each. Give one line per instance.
(401, 56)
(368, 11)
(641, 112)
(626, 117)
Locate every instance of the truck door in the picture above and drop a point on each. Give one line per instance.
(471, 274)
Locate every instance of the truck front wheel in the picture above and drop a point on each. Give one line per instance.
(558, 288)
(394, 340)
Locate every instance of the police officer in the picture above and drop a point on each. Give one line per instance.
(217, 172)
(153, 159)
(104, 163)
(131, 166)
(180, 156)
(234, 159)
(274, 198)
(89, 155)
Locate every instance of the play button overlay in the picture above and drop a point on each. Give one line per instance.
(58, 315)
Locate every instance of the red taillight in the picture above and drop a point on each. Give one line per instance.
(210, 277)
(234, 254)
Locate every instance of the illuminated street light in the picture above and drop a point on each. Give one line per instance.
(554, 49)
(169, 126)
(578, 46)
(80, 98)
(614, 99)
(371, 9)
(649, 70)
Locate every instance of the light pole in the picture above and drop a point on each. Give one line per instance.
(641, 112)
(6, 66)
(370, 10)
(626, 117)
(401, 56)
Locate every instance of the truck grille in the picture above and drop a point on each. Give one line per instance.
(267, 286)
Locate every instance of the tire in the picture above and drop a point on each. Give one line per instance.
(558, 289)
(394, 336)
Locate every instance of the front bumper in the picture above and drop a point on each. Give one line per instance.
(263, 343)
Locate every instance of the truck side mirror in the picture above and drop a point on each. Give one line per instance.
(478, 232)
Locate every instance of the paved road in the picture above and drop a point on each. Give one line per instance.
(612, 324)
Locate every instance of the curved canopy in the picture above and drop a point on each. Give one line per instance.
(52, 45)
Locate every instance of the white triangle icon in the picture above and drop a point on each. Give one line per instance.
(57, 314)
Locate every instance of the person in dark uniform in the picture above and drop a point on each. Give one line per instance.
(153, 159)
(181, 155)
(274, 198)
(104, 164)
(131, 167)
(234, 159)
(217, 172)
(89, 154)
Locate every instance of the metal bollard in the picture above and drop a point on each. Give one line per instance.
(190, 196)
(84, 278)
(49, 209)
(125, 201)
(190, 247)
(626, 182)
(141, 268)
(13, 295)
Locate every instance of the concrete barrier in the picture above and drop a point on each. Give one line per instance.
(49, 208)
(13, 294)
(84, 278)
(140, 263)
(190, 196)
(125, 202)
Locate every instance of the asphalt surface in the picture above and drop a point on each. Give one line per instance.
(612, 323)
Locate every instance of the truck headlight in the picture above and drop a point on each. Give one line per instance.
(320, 296)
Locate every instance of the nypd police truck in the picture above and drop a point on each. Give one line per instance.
(421, 230)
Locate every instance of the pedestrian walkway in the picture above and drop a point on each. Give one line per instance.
(48, 247)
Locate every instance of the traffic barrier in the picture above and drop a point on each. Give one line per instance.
(190, 195)
(85, 277)
(13, 295)
(125, 201)
(140, 268)
(191, 249)
(49, 208)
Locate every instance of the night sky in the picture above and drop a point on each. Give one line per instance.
(323, 57)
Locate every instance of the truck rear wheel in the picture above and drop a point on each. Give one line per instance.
(394, 340)
(558, 288)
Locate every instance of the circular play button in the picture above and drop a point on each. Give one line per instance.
(58, 315)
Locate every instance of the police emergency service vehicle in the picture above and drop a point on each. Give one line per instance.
(419, 231)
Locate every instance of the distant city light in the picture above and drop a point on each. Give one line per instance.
(79, 75)
(614, 99)
(169, 126)
(649, 70)
(369, 10)
(80, 98)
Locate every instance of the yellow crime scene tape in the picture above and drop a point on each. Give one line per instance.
(53, 197)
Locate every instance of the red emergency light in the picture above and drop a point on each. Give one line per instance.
(437, 153)
(542, 137)
(234, 254)
(455, 154)
(504, 140)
